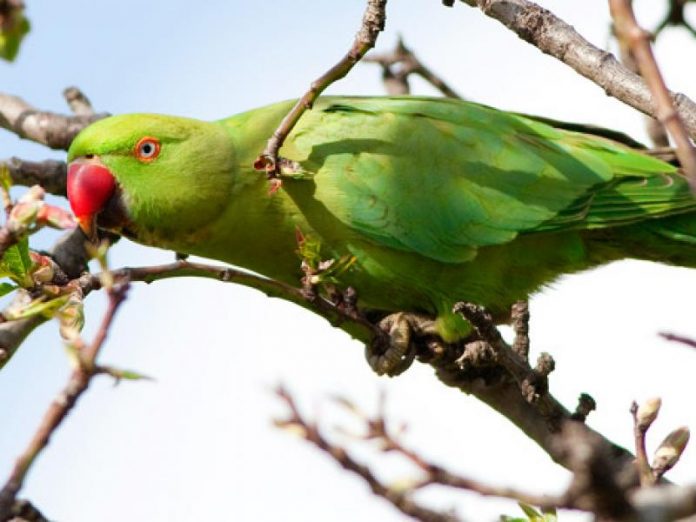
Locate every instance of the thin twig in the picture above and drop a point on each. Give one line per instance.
(593, 487)
(559, 39)
(78, 102)
(688, 341)
(396, 79)
(71, 256)
(656, 131)
(639, 430)
(639, 42)
(399, 499)
(355, 325)
(378, 430)
(372, 24)
(62, 405)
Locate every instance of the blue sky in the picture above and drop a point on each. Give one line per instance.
(198, 443)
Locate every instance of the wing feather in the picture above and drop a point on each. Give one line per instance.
(443, 178)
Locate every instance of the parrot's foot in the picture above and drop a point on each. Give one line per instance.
(398, 356)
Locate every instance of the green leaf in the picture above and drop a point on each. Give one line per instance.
(309, 249)
(13, 29)
(6, 288)
(130, 375)
(5, 178)
(39, 306)
(549, 515)
(16, 262)
(531, 513)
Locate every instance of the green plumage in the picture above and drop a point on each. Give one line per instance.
(438, 200)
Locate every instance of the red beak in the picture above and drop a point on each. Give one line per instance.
(90, 185)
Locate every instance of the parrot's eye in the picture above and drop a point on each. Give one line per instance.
(147, 148)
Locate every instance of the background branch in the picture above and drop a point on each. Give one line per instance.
(399, 64)
(85, 369)
(675, 17)
(399, 499)
(656, 131)
(553, 36)
(679, 338)
(593, 488)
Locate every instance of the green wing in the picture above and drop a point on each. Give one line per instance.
(444, 177)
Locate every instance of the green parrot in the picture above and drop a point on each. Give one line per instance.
(433, 201)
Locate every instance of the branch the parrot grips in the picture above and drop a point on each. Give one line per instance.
(90, 186)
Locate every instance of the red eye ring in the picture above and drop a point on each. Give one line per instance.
(147, 149)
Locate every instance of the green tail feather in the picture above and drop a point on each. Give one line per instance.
(675, 240)
(669, 240)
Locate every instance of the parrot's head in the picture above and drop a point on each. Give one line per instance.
(148, 176)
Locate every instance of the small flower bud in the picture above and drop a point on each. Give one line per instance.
(647, 412)
(34, 194)
(55, 217)
(43, 274)
(23, 214)
(43, 269)
(71, 318)
(293, 428)
(671, 449)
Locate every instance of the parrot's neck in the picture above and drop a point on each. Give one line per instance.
(258, 228)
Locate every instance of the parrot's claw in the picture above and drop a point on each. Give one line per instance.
(398, 356)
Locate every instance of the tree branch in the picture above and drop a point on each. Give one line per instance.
(355, 325)
(50, 174)
(53, 130)
(78, 383)
(553, 36)
(488, 369)
(493, 372)
(656, 131)
(593, 487)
